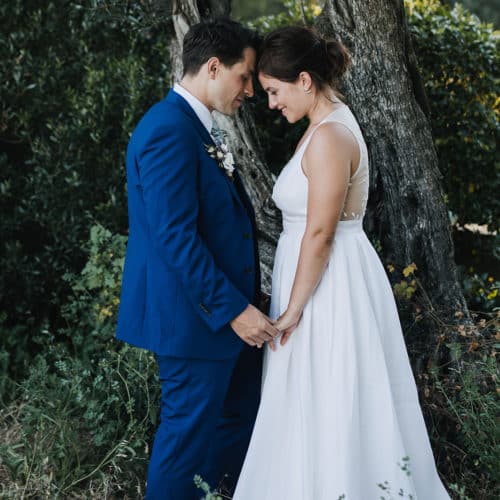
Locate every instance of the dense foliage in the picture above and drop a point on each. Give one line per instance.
(459, 59)
(487, 10)
(75, 79)
(83, 415)
(77, 408)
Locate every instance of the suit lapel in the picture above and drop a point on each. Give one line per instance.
(174, 98)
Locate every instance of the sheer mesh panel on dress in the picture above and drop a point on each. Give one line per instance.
(357, 193)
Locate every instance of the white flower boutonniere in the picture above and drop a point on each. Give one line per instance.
(221, 154)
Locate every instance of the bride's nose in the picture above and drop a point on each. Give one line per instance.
(272, 102)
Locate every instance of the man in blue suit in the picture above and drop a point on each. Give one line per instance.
(191, 275)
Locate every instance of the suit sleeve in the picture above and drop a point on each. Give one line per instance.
(168, 163)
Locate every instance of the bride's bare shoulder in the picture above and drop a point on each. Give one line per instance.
(330, 140)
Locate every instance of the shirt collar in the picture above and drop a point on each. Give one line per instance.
(202, 112)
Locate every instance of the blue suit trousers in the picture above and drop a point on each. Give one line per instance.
(208, 409)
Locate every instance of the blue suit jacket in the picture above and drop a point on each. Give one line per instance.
(192, 263)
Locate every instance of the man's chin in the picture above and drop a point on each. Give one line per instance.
(229, 110)
(237, 105)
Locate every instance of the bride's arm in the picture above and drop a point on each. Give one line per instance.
(327, 165)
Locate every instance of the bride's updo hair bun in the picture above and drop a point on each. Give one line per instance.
(286, 52)
(339, 59)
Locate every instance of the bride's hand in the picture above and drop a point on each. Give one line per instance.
(287, 323)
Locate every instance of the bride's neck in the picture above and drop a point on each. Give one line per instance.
(322, 106)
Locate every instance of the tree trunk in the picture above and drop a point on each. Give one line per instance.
(241, 137)
(385, 92)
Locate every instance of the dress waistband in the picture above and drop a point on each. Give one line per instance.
(343, 226)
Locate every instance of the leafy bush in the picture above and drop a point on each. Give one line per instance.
(487, 10)
(83, 418)
(457, 380)
(482, 292)
(76, 77)
(463, 404)
(459, 59)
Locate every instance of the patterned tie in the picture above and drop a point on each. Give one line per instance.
(217, 135)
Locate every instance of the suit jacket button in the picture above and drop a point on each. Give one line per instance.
(248, 270)
(248, 236)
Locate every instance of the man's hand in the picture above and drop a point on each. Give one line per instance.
(253, 327)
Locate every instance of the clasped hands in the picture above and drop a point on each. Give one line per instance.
(255, 328)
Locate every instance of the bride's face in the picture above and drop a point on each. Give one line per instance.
(289, 98)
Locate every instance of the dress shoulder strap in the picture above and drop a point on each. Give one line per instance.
(346, 118)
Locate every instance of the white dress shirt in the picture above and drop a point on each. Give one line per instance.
(202, 112)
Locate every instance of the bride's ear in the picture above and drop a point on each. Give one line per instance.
(306, 82)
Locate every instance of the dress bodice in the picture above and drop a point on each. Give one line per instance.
(291, 188)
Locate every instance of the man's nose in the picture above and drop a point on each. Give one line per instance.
(249, 88)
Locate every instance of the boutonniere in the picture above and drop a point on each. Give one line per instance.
(224, 158)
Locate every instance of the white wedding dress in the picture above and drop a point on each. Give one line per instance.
(339, 412)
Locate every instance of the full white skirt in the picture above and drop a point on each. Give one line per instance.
(339, 412)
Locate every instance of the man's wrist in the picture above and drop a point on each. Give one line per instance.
(239, 314)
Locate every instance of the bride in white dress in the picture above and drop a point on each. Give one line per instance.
(339, 415)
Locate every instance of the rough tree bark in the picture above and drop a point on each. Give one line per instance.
(241, 136)
(385, 92)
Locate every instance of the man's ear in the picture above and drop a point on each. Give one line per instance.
(213, 65)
